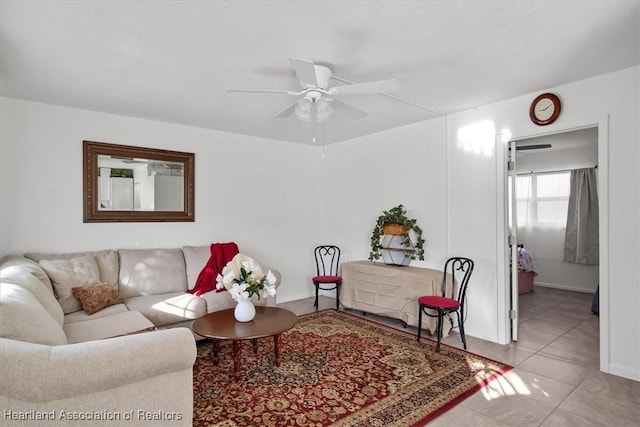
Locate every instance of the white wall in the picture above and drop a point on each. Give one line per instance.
(365, 176)
(474, 193)
(260, 193)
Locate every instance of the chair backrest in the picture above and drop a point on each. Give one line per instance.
(327, 260)
(457, 271)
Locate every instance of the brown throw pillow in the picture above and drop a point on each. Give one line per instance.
(94, 298)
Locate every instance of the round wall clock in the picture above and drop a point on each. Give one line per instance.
(545, 109)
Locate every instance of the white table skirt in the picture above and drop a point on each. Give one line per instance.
(390, 291)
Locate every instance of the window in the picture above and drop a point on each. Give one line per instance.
(543, 199)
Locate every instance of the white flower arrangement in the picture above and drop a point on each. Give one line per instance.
(243, 278)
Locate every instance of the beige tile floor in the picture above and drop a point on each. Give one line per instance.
(556, 379)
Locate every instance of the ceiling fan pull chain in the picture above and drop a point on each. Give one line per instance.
(313, 120)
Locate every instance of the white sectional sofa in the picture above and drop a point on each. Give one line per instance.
(131, 361)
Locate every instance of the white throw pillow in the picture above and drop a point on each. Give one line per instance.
(107, 260)
(66, 274)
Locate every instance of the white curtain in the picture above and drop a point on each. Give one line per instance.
(581, 245)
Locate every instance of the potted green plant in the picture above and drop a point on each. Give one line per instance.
(395, 222)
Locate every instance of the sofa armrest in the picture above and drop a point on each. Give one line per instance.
(42, 373)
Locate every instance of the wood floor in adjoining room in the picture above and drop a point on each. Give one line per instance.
(556, 379)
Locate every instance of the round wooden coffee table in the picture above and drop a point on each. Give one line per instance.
(221, 325)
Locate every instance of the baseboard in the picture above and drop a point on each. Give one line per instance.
(290, 298)
(624, 371)
(563, 287)
(310, 294)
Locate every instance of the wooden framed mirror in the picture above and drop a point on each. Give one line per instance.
(134, 184)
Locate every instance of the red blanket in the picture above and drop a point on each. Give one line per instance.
(221, 254)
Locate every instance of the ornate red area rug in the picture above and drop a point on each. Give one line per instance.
(336, 370)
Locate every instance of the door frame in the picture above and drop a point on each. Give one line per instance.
(503, 270)
(512, 218)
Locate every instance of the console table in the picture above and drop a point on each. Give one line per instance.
(390, 291)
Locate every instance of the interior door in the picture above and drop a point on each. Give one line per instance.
(513, 241)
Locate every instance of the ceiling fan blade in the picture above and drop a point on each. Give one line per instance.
(379, 86)
(287, 111)
(349, 110)
(286, 92)
(305, 71)
(388, 95)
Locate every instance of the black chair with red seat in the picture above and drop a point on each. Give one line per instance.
(327, 276)
(455, 279)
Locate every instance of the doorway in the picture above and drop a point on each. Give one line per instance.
(563, 290)
(549, 276)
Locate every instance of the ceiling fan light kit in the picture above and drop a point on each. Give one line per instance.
(313, 105)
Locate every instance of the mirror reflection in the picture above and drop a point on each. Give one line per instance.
(126, 184)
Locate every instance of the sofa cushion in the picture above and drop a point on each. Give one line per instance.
(29, 265)
(96, 297)
(195, 259)
(82, 316)
(107, 260)
(168, 308)
(151, 271)
(23, 318)
(126, 323)
(43, 293)
(66, 274)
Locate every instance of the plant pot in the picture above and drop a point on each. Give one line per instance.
(394, 229)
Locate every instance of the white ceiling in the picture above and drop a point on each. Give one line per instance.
(172, 61)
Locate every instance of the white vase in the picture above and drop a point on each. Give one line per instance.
(244, 311)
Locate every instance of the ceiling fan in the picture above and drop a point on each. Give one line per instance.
(522, 149)
(532, 147)
(316, 100)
